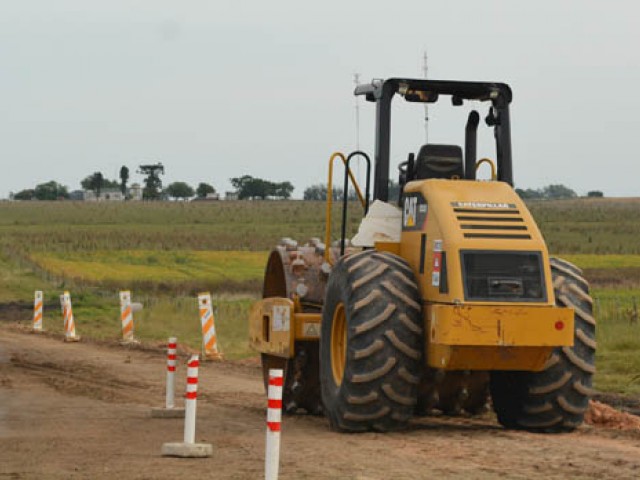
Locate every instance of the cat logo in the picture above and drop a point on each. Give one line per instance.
(410, 205)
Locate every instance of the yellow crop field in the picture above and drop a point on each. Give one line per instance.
(604, 261)
(126, 267)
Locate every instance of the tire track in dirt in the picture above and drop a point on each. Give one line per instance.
(79, 379)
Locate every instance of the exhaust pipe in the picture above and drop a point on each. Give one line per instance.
(470, 145)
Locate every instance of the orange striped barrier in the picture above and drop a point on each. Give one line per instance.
(209, 339)
(69, 322)
(37, 312)
(274, 416)
(126, 316)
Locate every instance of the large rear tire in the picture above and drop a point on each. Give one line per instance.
(555, 399)
(371, 343)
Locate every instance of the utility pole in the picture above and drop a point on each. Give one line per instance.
(426, 105)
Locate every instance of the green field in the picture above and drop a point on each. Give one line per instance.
(167, 252)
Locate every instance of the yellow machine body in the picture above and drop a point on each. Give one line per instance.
(443, 220)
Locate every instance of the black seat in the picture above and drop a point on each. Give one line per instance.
(439, 161)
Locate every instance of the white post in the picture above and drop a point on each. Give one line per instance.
(37, 312)
(170, 410)
(190, 400)
(189, 448)
(274, 414)
(171, 370)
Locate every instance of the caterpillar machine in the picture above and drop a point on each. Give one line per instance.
(452, 305)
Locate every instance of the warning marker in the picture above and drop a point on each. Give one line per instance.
(274, 413)
(69, 322)
(189, 448)
(37, 312)
(126, 316)
(209, 339)
(170, 410)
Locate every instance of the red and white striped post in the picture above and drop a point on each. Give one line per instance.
(274, 415)
(172, 350)
(170, 410)
(189, 447)
(190, 400)
(37, 312)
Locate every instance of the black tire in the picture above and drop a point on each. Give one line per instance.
(383, 351)
(555, 399)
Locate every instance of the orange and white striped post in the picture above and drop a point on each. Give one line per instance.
(209, 339)
(189, 448)
(69, 322)
(274, 416)
(37, 312)
(126, 316)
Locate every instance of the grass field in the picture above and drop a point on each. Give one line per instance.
(166, 252)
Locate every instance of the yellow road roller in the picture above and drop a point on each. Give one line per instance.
(446, 301)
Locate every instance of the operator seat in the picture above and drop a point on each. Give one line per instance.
(439, 161)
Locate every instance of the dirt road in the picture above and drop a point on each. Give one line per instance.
(72, 411)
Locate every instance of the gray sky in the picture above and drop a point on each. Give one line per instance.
(219, 89)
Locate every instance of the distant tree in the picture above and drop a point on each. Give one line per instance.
(283, 190)
(315, 192)
(529, 193)
(595, 194)
(124, 178)
(319, 192)
(96, 183)
(248, 187)
(556, 192)
(27, 194)
(204, 189)
(152, 184)
(180, 190)
(51, 191)
(550, 192)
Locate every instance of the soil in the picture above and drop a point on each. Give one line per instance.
(82, 410)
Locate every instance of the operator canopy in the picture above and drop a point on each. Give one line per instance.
(439, 161)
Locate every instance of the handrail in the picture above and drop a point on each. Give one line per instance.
(491, 164)
(345, 196)
(363, 202)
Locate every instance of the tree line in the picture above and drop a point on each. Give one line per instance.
(246, 187)
(553, 192)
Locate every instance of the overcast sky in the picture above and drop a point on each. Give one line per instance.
(217, 89)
